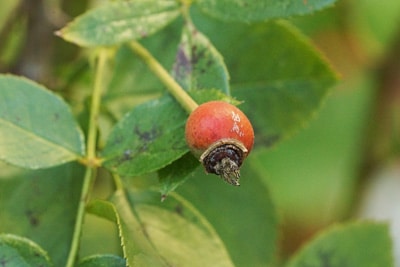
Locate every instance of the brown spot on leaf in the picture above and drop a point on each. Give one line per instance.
(179, 209)
(117, 140)
(182, 66)
(147, 136)
(209, 63)
(56, 116)
(197, 54)
(127, 155)
(33, 218)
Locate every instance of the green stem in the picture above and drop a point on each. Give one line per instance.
(91, 157)
(172, 86)
(87, 181)
(95, 105)
(118, 182)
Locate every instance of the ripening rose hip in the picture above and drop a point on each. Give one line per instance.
(221, 136)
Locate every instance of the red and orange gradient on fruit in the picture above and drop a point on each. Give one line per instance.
(221, 136)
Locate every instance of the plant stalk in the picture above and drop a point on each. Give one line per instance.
(91, 157)
(87, 181)
(95, 106)
(172, 86)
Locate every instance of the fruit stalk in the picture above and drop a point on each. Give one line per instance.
(172, 86)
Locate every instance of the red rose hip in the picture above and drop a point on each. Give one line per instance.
(221, 136)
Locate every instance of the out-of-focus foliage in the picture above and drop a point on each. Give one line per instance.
(331, 140)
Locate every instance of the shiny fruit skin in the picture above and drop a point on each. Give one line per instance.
(216, 120)
(221, 136)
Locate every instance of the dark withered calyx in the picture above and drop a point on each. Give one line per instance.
(224, 158)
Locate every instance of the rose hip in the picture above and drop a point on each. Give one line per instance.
(221, 136)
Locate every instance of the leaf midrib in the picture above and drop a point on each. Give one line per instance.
(41, 139)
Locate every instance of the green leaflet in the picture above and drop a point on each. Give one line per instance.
(364, 244)
(155, 234)
(149, 137)
(255, 10)
(120, 21)
(41, 205)
(198, 65)
(104, 260)
(37, 128)
(19, 251)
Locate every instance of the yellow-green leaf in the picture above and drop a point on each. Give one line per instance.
(19, 251)
(120, 21)
(37, 129)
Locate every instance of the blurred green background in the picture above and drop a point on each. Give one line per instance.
(344, 164)
(337, 167)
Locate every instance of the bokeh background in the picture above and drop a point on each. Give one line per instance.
(344, 164)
